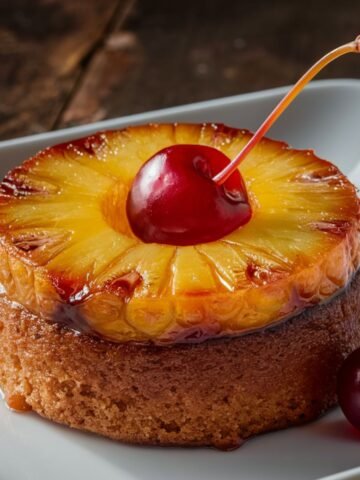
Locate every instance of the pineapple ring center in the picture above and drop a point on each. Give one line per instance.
(113, 208)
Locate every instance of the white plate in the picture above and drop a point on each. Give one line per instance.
(326, 117)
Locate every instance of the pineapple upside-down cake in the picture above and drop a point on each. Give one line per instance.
(202, 344)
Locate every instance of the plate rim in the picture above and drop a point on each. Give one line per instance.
(86, 129)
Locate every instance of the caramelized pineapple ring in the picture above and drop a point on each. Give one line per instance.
(68, 253)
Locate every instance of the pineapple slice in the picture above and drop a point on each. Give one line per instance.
(69, 255)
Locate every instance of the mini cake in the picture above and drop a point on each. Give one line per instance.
(154, 290)
(166, 354)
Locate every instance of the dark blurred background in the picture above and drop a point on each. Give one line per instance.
(66, 62)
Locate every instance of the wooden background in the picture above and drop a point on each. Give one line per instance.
(66, 62)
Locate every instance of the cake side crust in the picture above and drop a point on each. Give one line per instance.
(214, 393)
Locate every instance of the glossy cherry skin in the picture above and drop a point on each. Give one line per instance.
(174, 200)
(349, 388)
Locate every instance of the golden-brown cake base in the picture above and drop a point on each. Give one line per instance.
(214, 393)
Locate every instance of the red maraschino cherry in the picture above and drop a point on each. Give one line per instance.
(175, 200)
(190, 194)
(348, 388)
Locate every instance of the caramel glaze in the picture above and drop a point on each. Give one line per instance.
(228, 446)
(69, 316)
(17, 403)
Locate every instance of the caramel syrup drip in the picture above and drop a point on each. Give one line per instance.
(17, 403)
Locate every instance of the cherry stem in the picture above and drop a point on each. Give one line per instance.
(352, 47)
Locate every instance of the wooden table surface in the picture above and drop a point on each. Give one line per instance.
(67, 62)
